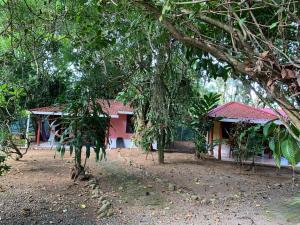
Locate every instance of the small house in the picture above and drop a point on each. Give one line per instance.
(226, 115)
(121, 123)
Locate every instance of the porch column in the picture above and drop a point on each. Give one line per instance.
(220, 142)
(270, 155)
(27, 131)
(39, 132)
(211, 140)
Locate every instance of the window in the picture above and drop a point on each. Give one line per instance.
(129, 124)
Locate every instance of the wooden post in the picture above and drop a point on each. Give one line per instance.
(211, 140)
(27, 131)
(270, 154)
(39, 132)
(220, 142)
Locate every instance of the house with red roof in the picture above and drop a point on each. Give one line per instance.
(239, 112)
(235, 112)
(121, 124)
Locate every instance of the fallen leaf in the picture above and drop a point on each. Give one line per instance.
(264, 54)
(270, 83)
(287, 74)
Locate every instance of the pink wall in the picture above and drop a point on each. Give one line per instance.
(118, 127)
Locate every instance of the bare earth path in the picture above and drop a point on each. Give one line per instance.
(183, 191)
(38, 190)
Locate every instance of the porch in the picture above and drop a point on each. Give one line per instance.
(259, 160)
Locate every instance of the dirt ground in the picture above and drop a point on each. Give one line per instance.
(38, 190)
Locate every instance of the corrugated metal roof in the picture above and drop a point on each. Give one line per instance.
(237, 110)
(280, 111)
(110, 106)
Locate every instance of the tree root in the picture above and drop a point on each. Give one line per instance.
(80, 172)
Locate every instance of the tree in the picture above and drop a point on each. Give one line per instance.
(30, 51)
(85, 126)
(10, 111)
(60, 41)
(158, 90)
(56, 56)
(257, 39)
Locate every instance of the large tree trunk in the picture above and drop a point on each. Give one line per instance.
(161, 156)
(159, 103)
(161, 148)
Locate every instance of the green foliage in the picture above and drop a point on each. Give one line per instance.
(159, 86)
(282, 143)
(51, 49)
(10, 111)
(243, 44)
(250, 144)
(29, 56)
(199, 121)
(203, 104)
(3, 166)
(85, 124)
(290, 150)
(48, 46)
(269, 128)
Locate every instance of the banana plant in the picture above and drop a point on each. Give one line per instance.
(200, 123)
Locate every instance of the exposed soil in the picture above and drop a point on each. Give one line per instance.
(38, 190)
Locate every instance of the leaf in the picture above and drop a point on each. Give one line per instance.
(97, 150)
(291, 74)
(270, 83)
(297, 156)
(62, 152)
(275, 147)
(100, 156)
(272, 145)
(82, 206)
(103, 152)
(289, 149)
(88, 151)
(264, 54)
(288, 74)
(241, 21)
(71, 149)
(280, 10)
(58, 147)
(269, 128)
(273, 25)
(243, 134)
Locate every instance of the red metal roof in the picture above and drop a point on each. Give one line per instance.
(237, 110)
(281, 112)
(111, 107)
(52, 109)
(114, 107)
